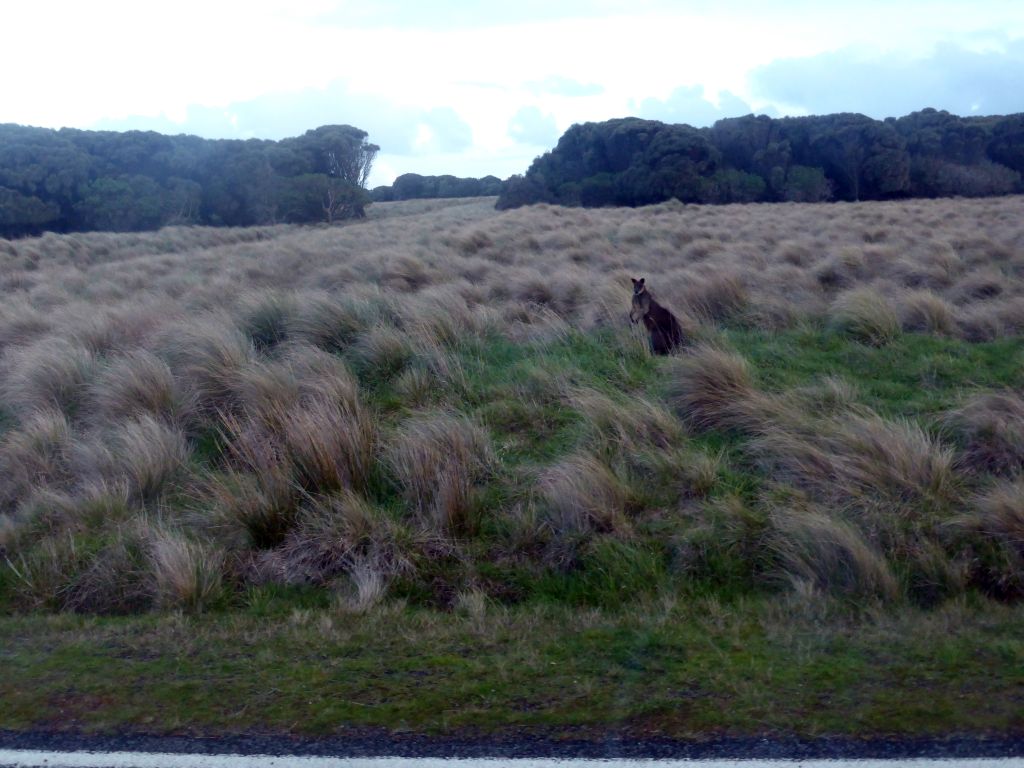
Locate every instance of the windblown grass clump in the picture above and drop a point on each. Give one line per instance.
(830, 554)
(438, 460)
(995, 528)
(990, 430)
(580, 495)
(713, 388)
(866, 316)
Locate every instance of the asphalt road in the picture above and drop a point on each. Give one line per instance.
(379, 749)
(45, 759)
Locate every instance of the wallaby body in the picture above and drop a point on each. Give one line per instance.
(662, 325)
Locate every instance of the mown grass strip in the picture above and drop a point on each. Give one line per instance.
(671, 669)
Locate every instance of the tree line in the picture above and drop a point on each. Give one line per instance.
(413, 186)
(73, 180)
(632, 162)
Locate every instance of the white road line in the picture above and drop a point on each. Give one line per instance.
(26, 758)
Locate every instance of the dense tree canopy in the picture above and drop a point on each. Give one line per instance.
(413, 186)
(845, 156)
(70, 180)
(66, 180)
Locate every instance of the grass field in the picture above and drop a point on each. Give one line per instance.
(420, 472)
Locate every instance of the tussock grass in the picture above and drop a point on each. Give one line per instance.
(865, 315)
(625, 426)
(136, 384)
(862, 456)
(831, 555)
(209, 355)
(344, 536)
(116, 579)
(330, 445)
(442, 400)
(720, 297)
(321, 375)
(995, 528)
(712, 388)
(990, 429)
(144, 454)
(187, 575)
(580, 495)
(381, 352)
(49, 373)
(252, 510)
(34, 459)
(438, 459)
(265, 317)
(927, 312)
(331, 322)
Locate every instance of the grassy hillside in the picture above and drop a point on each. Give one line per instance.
(430, 446)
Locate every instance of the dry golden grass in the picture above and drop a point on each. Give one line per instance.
(581, 494)
(231, 375)
(712, 388)
(990, 429)
(438, 459)
(865, 315)
(324, 284)
(830, 554)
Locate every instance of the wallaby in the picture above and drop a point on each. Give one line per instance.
(666, 333)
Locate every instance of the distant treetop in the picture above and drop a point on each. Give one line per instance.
(845, 156)
(70, 180)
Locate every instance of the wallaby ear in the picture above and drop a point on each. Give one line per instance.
(641, 281)
(635, 281)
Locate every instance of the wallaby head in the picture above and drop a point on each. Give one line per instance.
(641, 300)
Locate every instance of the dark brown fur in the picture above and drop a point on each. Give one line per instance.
(662, 325)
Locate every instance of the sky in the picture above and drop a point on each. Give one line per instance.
(478, 88)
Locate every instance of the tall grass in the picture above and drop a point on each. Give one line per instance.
(439, 397)
(438, 459)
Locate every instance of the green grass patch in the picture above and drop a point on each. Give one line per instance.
(915, 375)
(678, 670)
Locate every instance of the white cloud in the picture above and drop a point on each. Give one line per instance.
(531, 126)
(465, 71)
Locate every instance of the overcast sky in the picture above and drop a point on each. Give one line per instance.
(477, 88)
